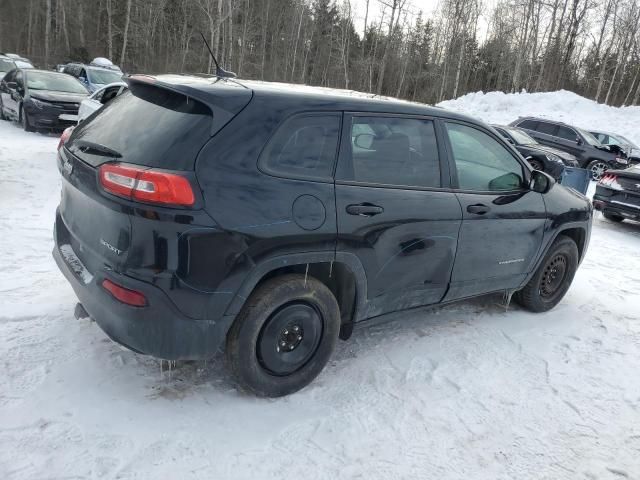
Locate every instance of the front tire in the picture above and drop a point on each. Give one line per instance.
(596, 169)
(24, 120)
(553, 277)
(283, 336)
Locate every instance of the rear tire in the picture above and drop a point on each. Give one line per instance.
(24, 120)
(283, 336)
(612, 217)
(553, 277)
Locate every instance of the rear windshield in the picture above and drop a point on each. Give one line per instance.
(148, 126)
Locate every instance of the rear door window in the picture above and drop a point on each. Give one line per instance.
(304, 146)
(548, 128)
(392, 151)
(529, 124)
(149, 126)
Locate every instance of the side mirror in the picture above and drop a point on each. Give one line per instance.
(540, 182)
(510, 140)
(12, 85)
(578, 141)
(364, 140)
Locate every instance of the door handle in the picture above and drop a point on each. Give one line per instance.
(364, 210)
(478, 209)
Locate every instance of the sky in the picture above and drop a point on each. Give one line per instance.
(428, 7)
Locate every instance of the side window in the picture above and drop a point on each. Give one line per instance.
(601, 137)
(482, 163)
(529, 124)
(10, 77)
(567, 133)
(393, 151)
(548, 128)
(20, 79)
(303, 147)
(82, 75)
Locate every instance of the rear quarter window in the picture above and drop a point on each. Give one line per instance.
(529, 124)
(304, 147)
(150, 126)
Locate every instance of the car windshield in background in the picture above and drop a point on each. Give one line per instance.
(58, 82)
(521, 137)
(6, 65)
(627, 141)
(104, 76)
(591, 140)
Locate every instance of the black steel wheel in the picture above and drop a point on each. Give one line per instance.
(553, 277)
(283, 336)
(289, 338)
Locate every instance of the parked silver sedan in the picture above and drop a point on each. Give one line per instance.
(99, 98)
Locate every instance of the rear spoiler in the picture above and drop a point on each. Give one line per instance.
(224, 98)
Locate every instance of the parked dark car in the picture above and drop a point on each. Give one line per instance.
(590, 153)
(9, 63)
(541, 157)
(40, 99)
(93, 77)
(268, 221)
(613, 140)
(618, 194)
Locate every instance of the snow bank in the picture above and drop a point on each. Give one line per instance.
(564, 106)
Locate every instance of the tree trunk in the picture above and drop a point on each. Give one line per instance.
(125, 33)
(385, 55)
(47, 33)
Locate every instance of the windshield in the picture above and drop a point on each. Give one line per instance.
(521, 137)
(6, 65)
(591, 140)
(104, 76)
(58, 82)
(626, 141)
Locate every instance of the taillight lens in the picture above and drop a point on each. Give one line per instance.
(611, 181)
(146, 185)
(65, 136)
(130, 297)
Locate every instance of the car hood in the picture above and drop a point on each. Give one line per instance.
(544, 149)
(53, 96)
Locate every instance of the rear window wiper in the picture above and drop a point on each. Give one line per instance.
(95, 148)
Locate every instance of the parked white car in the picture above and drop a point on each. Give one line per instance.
(99, 98)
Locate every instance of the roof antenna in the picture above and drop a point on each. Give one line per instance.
(220, 72)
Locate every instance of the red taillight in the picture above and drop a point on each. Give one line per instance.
(146, 185)
(130, 297)
(611, 181)
(65, 136)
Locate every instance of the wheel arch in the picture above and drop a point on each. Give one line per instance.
(341, 272)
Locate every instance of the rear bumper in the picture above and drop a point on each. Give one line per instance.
(622, 207)
(158, 329)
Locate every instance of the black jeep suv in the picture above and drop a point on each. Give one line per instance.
(200, 213)
(591, 154)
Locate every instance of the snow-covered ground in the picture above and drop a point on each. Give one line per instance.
(471, 391)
